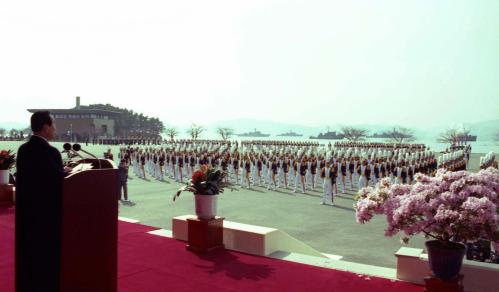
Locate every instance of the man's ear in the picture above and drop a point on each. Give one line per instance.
(45, 128)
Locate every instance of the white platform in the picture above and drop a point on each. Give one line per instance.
(251, 239)
(412, 266)
(337, 264)
(162, 232)
(129, 220)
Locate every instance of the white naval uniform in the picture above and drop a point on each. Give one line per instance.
(328, 186)
(398, 179)
(318, 170)
(362, 177)
(308, 175)
(298, 178)
(280, 173)
(291, 169)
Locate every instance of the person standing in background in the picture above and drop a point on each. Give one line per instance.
(123, 176)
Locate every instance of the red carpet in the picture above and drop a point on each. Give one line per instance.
(150, 263)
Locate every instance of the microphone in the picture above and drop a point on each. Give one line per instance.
(77, 147)
(67, 147)
(69, 151)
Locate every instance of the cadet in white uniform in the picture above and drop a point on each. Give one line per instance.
(326, 174)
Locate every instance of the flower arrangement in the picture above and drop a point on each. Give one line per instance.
(7, 159)
(450, 207)
(206, 181)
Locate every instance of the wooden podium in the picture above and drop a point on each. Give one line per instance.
(205, 235)
(435, 284)
(6, 195)
(89, 230)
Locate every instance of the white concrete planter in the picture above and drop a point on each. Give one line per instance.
(4, 177)
(206, 206)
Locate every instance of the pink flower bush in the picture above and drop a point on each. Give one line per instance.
(452, 206)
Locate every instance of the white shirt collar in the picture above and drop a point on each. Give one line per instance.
(41, 137)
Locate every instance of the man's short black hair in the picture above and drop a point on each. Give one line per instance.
(38, 119)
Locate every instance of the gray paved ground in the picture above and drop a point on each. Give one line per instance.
(326, 228)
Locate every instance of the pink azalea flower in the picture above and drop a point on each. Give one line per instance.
(457, 206)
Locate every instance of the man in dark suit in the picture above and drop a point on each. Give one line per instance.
(40, 173)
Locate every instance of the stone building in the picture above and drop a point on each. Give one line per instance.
(79, 124)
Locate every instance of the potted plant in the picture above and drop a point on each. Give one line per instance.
(206, 183)
(452, 208)
(7, 161)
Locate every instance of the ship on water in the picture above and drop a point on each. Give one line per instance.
(466, 138)
(254, 134)
(290, 134)
(329, 136)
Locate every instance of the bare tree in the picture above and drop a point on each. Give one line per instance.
(400, 135)
(171, 132)
(225, 133)
(195, 131)
(353, 134)
(450, 136)
(455, 136)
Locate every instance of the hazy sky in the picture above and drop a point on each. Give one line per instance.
(311, 62)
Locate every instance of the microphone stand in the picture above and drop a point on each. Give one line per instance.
(77, 147)
(70, 152)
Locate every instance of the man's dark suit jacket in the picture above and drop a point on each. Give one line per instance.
(38, 216)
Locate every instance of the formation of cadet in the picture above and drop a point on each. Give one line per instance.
(489, 160)
(298, 166)
(379, 145)
(125, 141)
(455, 160)
(279, 143)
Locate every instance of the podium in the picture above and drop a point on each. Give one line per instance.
(89, 229)
(205, 235)
(6, 195)
(435, 284)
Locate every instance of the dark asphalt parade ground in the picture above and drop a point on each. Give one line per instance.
(328, 229)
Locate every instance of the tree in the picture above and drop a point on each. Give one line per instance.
(171, 133)
(353, 134)
(400, 135)
(448, 136)
(195, 131)
(225, 133)
(2, 132)
(455, 136)
(13, 133)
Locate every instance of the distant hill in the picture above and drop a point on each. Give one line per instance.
(485, 131)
